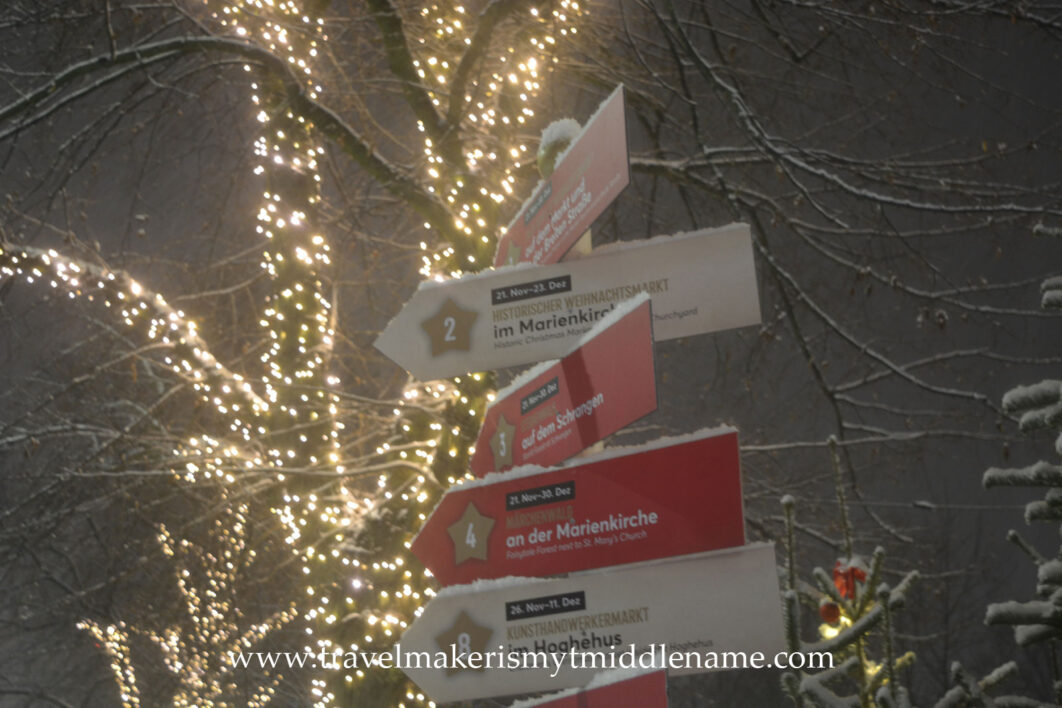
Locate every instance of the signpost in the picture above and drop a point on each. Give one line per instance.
(702, 605)
(668, 517)
(680, 496)
(610, 689)
(700, 282)
(592, 174)
(560, 408)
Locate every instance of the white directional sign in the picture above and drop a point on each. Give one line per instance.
(515, 636)
(699, 282)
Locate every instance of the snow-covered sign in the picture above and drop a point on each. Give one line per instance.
(672, 497)
(520, 635)
(620, 687)
(700, 282)
(588, 177)
(559, 408)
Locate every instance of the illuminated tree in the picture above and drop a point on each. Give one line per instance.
(856, 610)
(867, 143)
(198, 651)
(276, 431)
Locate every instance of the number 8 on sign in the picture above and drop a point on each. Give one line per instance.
(464, 643)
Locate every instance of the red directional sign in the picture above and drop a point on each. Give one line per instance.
(680, 496)
(593, 172)
(608, 689)
(562, 407)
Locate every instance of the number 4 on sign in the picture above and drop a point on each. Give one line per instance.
(470, 535)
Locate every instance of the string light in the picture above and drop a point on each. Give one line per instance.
(478, 181)
(285, 421)
(197, 654)
(480, 178)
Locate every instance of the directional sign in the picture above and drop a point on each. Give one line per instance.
(680, 496)
(700, 605)
(609, 689)
(700, 282)
(592, 174)
(560, 408)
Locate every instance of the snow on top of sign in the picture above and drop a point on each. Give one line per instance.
(599, 252)
(600, 680)
(607, 454)
(589, 121)
(620, 246)
(508, 581)
(494, 477)
(485, 273)
(565, 128)
(670, 441)
(623, 308)
(521, 380)
(558, 130)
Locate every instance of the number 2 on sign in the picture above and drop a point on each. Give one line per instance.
(449, 323)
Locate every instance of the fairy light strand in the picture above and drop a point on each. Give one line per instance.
(197, 653)
(288, 418)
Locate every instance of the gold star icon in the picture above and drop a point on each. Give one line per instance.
(466, 636)
(470, 534)
(501, 444)
(450, 329)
